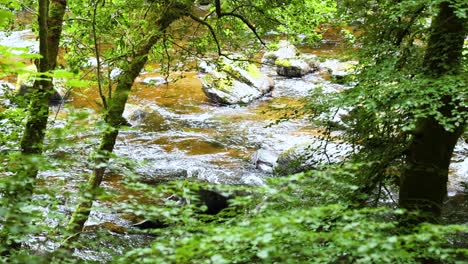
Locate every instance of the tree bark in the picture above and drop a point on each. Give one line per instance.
(114, 115)
(57, 10)
(423, 185)
(50, 20)
(50, 27)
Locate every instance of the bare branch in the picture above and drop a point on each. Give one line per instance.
(218, 8)
(98, 56)
(168, 56)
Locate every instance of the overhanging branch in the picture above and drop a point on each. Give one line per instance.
(210, 28)
(220, 14)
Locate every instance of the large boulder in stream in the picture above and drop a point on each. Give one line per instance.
(284, 50)
(297, 66)
(138, 115)
(265, 160)
(309, 156)
(289, 61)
(232, 84)
(336, 70)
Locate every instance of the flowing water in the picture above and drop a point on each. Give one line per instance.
(180, 134)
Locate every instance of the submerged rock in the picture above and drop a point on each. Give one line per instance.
(154, 81)
(235, 85)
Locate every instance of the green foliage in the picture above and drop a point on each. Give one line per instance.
(312, 14)
(393, 90)
(305, 218)
(314, 217)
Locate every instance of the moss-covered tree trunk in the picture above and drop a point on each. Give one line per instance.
(50, 18)
(50, 27)
(114, 117)
(423, 184)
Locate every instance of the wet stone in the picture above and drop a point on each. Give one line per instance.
(285, 50)
(265, 160)
(154, 81)
(233, 84)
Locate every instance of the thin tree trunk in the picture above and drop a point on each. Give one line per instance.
(50, 28)
(423, 184)
(50, 20)
(114, 116)
(57, 10)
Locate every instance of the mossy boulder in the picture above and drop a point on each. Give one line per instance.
(289, 61)
(337, 70)
(231, 83)
(137, 115)
(310, 155)
(284, 49)
(296, 67)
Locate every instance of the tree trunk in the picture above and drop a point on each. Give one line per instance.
(57, 10)
(50, 28)
(114, 115)
(423, 184)
(50, 25)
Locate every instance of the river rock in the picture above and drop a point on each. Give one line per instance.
(159, 176)
(136, 115)
(285, 50)
(307, 156)
(289, 62)
(205, 67)
(235, 85)
(265, 160)
(114, 74)
(154, 81)
(295, 67)
(336, 70)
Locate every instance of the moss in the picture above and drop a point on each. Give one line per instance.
(253, 71)
(223, 84)
(235, 74)
(284, 63)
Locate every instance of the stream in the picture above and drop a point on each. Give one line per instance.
(183, 135)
